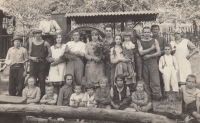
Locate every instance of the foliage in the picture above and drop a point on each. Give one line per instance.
(102, 50)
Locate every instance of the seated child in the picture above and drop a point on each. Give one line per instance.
(190, 95)
(140, 98)
(120, 93)
(88, 99)
(102, 94)
(50, 98)
(168, 66)
(77, 97)
(31, 91)
(66, 91)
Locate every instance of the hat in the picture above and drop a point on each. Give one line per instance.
(177, 31)
(37, 31)
(48, 12)
(17, 37)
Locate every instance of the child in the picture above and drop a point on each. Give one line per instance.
(77, 97)
(120, 93)
(31, 91)
(102, 94)
(190, 95)
(140, 98)
(58, 66)
(50, 98)
(66, 91)
(88, 99)
(128, 48)
(168, 66)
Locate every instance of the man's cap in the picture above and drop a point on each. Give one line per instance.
(17, 37)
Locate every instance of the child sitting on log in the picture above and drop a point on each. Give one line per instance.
(66, 91)
(102, 94)
(120, 93)
(31, 91)
(191, 96)
(140, 100)
(88, 99)
(50, 98)
(76, 98)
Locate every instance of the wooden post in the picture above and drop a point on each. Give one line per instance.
(82, 113)
(68, 24)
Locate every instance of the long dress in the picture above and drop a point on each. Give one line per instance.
(56, 73)
(181, 51)
(93, 70)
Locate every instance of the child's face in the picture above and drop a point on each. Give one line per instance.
(119, 82)
(59, 39)
(167, 50)
(94, 37)
(127, 38)
(191, 82)
(102, 84)
(90, 91)
(77, 89)
(16, 43)
(69, 80)
(118, 40)
(140, 87)
(49, 90)
(31, 82)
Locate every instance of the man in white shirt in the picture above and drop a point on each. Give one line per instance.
(49, 28)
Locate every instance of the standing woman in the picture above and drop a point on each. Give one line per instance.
(95, 67)
(57, 66)
(181, 48)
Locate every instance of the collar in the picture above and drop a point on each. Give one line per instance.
(120, 90)
(17, 48)
(55, 47)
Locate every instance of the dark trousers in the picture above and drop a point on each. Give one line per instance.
(16, 80)
(38, 69)
(138, 66)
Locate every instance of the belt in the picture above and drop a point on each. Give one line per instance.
(17, 65)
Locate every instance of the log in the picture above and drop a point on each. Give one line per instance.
(12, 99)
(82, 113)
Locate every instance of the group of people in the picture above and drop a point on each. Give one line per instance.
(140, 68)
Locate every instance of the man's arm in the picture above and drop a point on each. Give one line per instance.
(58, 29)
(142, 51)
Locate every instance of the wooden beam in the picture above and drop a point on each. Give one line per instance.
(83, 113)
(12, 99)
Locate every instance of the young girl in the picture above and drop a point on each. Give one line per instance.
(66, 91)
(50, 98)
(88, 99)
(121, 62)
(102, 94)
(58, 66)
(31, 91)
(168, 66)
(76, 98)
(140, 98)
(120, 94)
(190, 95)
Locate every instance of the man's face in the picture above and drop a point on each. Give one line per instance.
(76, 36)
(48, 16)
(38, 34)
(129, 25)
(108, 31)
(146, 33)
(16, 43)
(155, 30)
(177, 36)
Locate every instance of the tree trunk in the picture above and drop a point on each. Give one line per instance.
(82, 113)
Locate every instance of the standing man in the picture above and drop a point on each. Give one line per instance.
(149, 49)
(16, 58)
(38, 51)
(155, 29)
(49, 28)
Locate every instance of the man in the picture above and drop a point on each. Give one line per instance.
(155, 29)
(16, 58)
(38, 51)
(149, 49)
(135, 38)
(49, 28)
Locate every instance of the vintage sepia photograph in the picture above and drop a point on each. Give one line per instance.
(99, 61)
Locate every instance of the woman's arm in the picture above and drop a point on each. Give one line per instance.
(49, 57)
(193, 48)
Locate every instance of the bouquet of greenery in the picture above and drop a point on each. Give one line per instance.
(102, 50)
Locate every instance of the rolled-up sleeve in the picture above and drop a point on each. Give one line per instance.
(192, 47)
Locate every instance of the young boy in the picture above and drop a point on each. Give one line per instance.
(168, 66)
(88, 99)
(190, 95)
(49, 98)
(120, 93)
(77, 97)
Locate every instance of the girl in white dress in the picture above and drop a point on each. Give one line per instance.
(58, 66)
(181, 48)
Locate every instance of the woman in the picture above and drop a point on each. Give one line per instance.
(58, 66)
(181, 51)
(95, 67)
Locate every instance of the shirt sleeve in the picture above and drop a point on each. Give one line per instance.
(192, 46)
(111, 92)
(55, 97)
(145, 98)
(71, 100)
(7, 61)
(25, 55)
(24, 93)
(82, 48)
(40, 25)
(128, 92)
(58, 29)
(132, 46)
